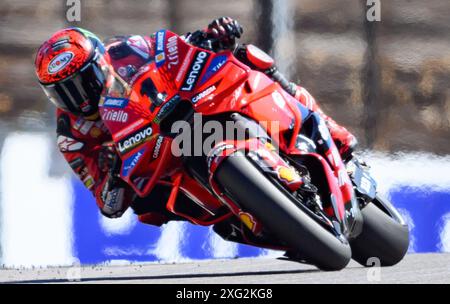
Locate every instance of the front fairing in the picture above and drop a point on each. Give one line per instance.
(129, 118)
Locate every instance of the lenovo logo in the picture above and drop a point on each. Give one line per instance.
(194, 72)
(135, 139)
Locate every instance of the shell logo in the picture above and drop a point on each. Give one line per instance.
(59, 62)
(288, 174)
(248, 220)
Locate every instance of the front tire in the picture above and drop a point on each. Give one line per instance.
(255, 193)
(382, 237)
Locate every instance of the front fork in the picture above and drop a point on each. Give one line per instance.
(317, 143)
(366, 189)
(344, 204)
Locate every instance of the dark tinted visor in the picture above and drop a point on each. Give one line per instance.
(79, 93)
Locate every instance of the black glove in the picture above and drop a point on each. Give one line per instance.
(113, 190)
(113, 197)
(225, 30)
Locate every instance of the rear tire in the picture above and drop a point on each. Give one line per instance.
(258, 195)
(382, 237)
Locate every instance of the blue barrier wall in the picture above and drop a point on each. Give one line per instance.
(427, 210)
(424, 209)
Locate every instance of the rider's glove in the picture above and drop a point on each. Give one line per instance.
(113, 189)
(225, 30)
(113, 198)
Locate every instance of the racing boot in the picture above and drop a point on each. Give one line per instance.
(344, 140)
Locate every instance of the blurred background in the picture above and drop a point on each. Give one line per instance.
(386, 81)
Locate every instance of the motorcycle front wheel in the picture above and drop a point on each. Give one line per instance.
(256, 194)
(384, 237)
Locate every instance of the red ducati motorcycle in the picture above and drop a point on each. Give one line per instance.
(276, 181)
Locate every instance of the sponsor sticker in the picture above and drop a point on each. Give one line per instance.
(60, 42)
(248, 220)
(160, 57)
(203, 94)
(76, 164)
(216, 64)
(184, 65)
(114, 102)
(95, 132)
(59, 62)
(269, 146)
(86, 127)
(85, 106)
(196, 68)
(172, 50)
(128, 129)
(67, 144)
(135, 139)
(115, 115)
(288, 174)
(158, 144)
(88, 182)
(166, 109)
(131, 162)
(160, 37)
(83, 126)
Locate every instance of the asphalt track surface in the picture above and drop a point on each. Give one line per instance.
(415, 268)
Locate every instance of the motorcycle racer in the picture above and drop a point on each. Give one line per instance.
(76, 69)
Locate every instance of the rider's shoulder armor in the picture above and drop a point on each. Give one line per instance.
(75, 133)
(128, 54)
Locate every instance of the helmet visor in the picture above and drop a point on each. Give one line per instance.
(79, 93)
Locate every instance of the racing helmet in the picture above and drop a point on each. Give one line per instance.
(73, 68)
